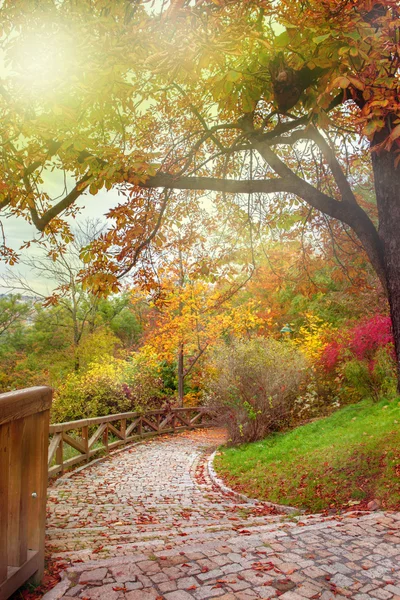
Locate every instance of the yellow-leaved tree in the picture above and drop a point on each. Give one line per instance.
(193, 316)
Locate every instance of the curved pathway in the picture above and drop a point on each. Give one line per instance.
(148, 524)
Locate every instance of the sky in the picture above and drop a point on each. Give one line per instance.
(18, 231)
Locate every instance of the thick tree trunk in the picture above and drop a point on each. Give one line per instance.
(387, 187)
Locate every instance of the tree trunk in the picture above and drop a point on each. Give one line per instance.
(387, 188)
(181, 376)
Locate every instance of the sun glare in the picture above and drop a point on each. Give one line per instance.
(42, 61)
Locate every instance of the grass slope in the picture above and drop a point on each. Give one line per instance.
(350, 457)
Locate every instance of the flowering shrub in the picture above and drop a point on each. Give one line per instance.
(362, 359)
(362, 341)
(368, 337)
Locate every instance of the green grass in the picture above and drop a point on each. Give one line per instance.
(351, 456)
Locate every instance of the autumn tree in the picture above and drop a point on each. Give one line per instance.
(194, 279)
(286, 101)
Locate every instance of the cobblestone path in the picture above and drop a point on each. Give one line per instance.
(149, 524)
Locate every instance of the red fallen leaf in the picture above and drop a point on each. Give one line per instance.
(327, 577)
(99, 549)
(240, 577)
(192, 587)
(119, 589)
(185, 565)
(204, 569)
(160, 598)
(182, 534)
(217, 586)
(163, 557)
(365, 567)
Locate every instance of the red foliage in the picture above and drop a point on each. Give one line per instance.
(330, 355)
(367, 338)
(363, 341)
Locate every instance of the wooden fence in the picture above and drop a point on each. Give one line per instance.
(92, 437)
(28, 458)
(24, 434)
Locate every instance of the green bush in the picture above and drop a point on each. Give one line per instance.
(370, 379)
(253, 386)
(96, 392)
(107, 387)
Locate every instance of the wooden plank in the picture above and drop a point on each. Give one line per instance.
(22, 403)
(18, 576)
(60, 455)
(75, 460)
(196, 418)
(131, 427)
(165, 421)
(59, 427)
(85, 438)
(149, 424)
(54, 470)
(57, 437)
(116, 431)
(17, 536)
(183, 420)
(37, 488)
(4, 474)
(123, 428)
(74, 443)
(105, 438)
(97, 434)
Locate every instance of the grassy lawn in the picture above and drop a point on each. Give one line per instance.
(350, 457)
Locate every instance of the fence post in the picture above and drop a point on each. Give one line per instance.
(85, 438)
(4, 470)
(24, 438)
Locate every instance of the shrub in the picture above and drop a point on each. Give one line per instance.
(254, 386)
(142, 380)
(96, 392)
(362, 359)
(110, 386)
(371, 379)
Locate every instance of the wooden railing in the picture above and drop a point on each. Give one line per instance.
(24, 433)
(27, 459)
(91, 437)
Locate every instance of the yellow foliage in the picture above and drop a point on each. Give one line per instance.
(312, 337)
(195, 316)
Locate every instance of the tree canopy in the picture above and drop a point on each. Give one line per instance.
(264, 104)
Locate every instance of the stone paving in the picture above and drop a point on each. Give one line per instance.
(149, 524)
